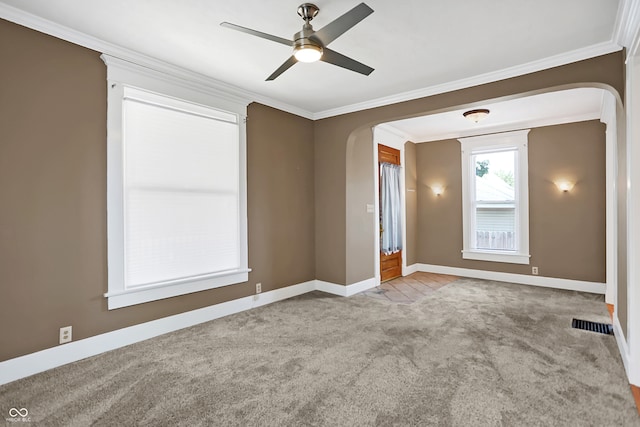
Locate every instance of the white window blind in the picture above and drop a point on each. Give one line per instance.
(181, 193)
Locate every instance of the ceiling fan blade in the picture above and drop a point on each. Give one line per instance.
(257, 33)
(284, 67)
(335, 58)
(341, 25)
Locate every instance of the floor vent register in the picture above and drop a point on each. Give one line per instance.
(601, 328)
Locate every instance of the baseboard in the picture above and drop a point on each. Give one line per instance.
(30, 364)
(622, 346)
(410, 269)
(523, 279)
(345, 291)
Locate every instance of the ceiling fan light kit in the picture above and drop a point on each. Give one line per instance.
(310, 45)
(305, 49)
(307, 52)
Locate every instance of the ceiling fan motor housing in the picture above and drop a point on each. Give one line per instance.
(308, 11)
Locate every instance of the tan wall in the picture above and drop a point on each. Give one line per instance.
(334, 135)
(567, 230)
(280, 198)
(410, 251)
(360, 254)
(53, 219)
(330, 189)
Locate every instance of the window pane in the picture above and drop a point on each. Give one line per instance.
(495, 213)
(495, 176)
(495, 228)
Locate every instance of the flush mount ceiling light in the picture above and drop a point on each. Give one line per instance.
(476, 115)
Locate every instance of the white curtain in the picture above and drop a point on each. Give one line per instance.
(390, 219)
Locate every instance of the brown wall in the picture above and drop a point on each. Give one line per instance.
(334, 135)
(567, 230)
(410, 251)
(53, 217)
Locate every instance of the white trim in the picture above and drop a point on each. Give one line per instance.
(632, 106)
(411, 269)
(127, 80)
(609, 118)
(345, 291)
(386, 127)
(494, 76)
(496, 256)
(487, 143)
(30, 364)
(54, 29)
(522, 279)
(627, 26)
(622, 345)
(391, 137)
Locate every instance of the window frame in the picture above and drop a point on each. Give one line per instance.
(470, 146)
(123, 74)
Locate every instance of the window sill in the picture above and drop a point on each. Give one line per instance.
(496, 256)
(135, 296)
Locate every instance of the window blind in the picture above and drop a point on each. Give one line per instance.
(181, 193)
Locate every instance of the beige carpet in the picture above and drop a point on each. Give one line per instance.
(474, 353)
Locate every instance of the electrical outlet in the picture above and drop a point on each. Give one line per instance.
(65, 334)
(258, 288)
(534, 271)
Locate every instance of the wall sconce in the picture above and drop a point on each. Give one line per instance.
(437, 189)
(564, 185)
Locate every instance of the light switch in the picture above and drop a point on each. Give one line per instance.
(369, 208)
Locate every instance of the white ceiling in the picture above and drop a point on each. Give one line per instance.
(417, 47)
(573, 105)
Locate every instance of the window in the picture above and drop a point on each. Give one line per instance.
(176, 189)
(495, 197)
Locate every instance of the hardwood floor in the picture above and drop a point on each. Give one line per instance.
(409, 289)
(610, 309)
(636, 396)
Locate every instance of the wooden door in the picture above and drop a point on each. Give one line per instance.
(390, 265)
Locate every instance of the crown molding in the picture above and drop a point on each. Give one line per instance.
(62, 32)
(518, 70)
(627, 29)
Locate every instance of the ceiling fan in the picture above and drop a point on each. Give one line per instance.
(310, 45)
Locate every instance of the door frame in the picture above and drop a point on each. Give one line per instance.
(391, 138)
